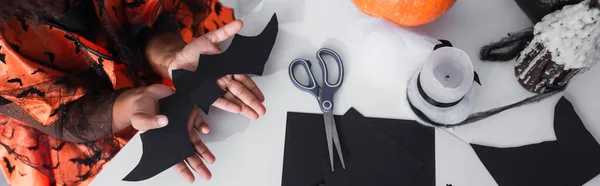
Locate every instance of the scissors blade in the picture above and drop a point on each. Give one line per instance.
(328, 117)
(336, 141)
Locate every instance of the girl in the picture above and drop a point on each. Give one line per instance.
(78, 78)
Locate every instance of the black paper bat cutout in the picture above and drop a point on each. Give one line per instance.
(164, 147)
(573, 159)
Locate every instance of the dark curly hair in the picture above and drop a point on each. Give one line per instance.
(32, 9)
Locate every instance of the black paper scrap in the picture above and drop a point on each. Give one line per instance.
(164, 147)
(573, 159)
(417, 139)
(374, 152)
(372, 157)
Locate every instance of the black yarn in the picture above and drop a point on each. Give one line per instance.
(485, 114)
(512, 45)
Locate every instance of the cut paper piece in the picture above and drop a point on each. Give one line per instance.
(373, 156)
(416, 139)
(164, 147)
(573, 159)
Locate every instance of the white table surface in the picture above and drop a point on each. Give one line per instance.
(379, 58)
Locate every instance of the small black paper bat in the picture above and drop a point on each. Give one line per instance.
(165, 147)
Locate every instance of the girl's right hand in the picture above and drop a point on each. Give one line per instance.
(139, 108)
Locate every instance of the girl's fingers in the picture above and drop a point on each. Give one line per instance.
(199, 167)
(188, 57)
(203, 127)
(227, 105)
(223, 82)
(245, 95)
(225, 32)
(198, 121)
(192, 119)
(160, 91)
(144, 122)
(201, 148)
(251, 85)
(251, 107)
(245, 109)
(184, 171)
(144, 116)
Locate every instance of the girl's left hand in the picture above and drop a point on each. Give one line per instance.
(196, 162)
(243, 95)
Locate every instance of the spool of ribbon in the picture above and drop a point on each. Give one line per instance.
(440, 93)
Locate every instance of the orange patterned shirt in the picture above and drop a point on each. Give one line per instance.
(56, 81)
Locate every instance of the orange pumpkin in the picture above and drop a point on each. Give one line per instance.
(405, 12)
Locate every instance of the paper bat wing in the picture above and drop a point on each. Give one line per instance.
(570, 160)
(165, 147)
(245, 55)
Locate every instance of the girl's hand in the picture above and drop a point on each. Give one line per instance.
(139, 108)
(168, 52)
(203, 155)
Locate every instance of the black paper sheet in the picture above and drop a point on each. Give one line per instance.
(573, 159)
(164, 147)
(377, 152)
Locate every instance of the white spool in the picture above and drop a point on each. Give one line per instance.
(446, 77)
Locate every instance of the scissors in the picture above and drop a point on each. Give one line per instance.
(324, 95)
